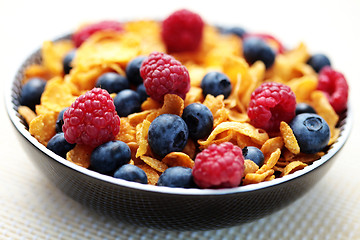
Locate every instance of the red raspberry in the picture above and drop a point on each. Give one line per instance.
(219, 166)
(163, 74)
(84, 33)
(270, 104)
(335, 86)
(182, 31)
(92, 119)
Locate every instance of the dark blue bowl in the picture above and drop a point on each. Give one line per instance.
(164, 207)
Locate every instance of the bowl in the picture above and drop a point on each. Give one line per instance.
(163, 207)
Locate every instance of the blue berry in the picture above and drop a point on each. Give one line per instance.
(67, 61)
(304, 108)
(127, 102)
(177, 177)
(199, 120)
(112, 82)
(59, 145)
(109, 156)
(216, 83)
(133, 70)
(256, 49)
(31, 92)
(131, 173)
(318, 61)
(311, 131)
(238, 31)
(254, 154)
(167, 133)
(141, 90)
(60, 121)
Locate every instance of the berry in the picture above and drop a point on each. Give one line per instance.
(92, 119)
(311, 131)
(84, 33)
(133, 70)
(126, 102)
(216, 83)
(182, 31)
(110, 156)
(31, 92)
(163, 74)
(304, 108)
(131, 173)
(256, 49)
(167, 133)
(142, 92)
(219, 166)
(254, 154)
(67, 61)
(60, 121)
(177, 177)
(238, 31)
(270, 104)
(112, 82)
(199, 120)
(59, 145)
(318, 61)
(271, 40)
(335, 86)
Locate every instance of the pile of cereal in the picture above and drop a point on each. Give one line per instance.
(180, 103)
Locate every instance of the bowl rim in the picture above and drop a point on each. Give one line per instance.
(16, 121)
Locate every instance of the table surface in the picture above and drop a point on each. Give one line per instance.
(32, 208)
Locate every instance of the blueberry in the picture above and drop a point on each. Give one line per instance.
(177, 177)
(126, 102)
(254, 154)
(216, 83)
(311, 131)
(318, 61)
(60, 121)
(167, 133)
(142, 92)
(68, 60)
(59, 145)
(133, 70)
(256, 49)
(112, 82)
(109, 156)
(31, 92)
(199, 120)
(238, 31)
(304, 108)
(131, 173)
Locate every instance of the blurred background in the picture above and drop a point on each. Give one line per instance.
(32, 208)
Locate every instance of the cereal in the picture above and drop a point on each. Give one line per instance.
(110, 51)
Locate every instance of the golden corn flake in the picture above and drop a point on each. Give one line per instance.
(152, 175)
(142, 138)
(58, 94)
(43, 127)
(250, 167)
(127, 132)
(26, 113)
(293, 167)
(80, 155)
(252, 178)
(154, 163)
(289, 138)
(53, 53)
(178, 159)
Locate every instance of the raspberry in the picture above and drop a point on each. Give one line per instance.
(92, 119)
(270, 104)
(219, 166)
(163, 74)
(84, 33)
(335, 87)
(182, 31)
